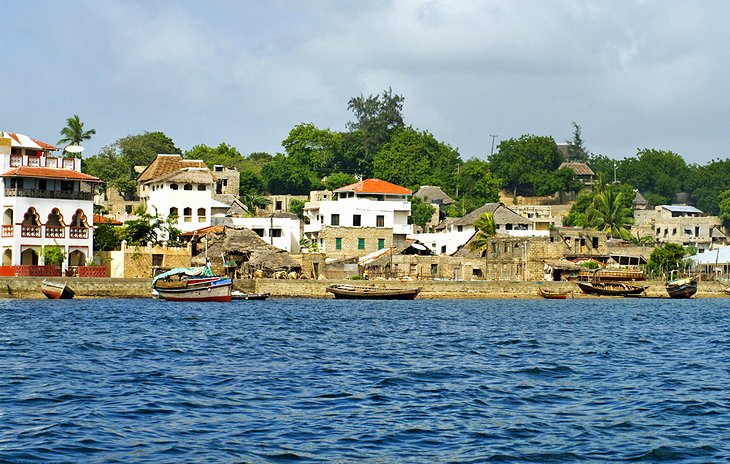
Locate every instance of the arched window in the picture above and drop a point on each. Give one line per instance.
(187, 187)
(55, 228)
(201, 187)
(188, 214)
(173, 186)
(173, 212)
(31, 226)
(8, 223)
(79, 227)
(201, 214)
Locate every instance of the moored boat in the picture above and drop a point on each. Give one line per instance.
(56, 290)
(551, 294)
(236, 295)
(682, 288)
(611, 288)
(354, 292)
(192, 284)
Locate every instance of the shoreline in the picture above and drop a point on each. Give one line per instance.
(86, 288)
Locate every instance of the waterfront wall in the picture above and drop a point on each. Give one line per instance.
(30, 287)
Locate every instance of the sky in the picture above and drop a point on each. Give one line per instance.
(632, 74)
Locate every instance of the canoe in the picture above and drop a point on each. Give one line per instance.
(353, 292)
(611, 288)
(552, 295)
(56, 290)
(236, 295)
(682, 288)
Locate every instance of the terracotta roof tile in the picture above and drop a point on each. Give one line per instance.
(99, 219)
(49, 173)
(375, 186)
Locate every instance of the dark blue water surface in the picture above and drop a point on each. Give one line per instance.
(322, 380)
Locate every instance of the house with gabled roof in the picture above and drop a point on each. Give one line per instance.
(47, 201)
(359, 219)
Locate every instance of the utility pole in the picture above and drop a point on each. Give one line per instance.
(494, 136)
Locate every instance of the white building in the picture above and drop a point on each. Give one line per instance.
(46, 201)
(360, 218)
(282, 230)
(172, 186)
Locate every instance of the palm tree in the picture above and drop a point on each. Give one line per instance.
(607, 214)
(485, 230)
(74, 133)
(253, 202)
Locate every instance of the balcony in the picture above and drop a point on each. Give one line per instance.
(79, 232)
(7, 230)
(52, 194)
(30, 231)
(55, 232)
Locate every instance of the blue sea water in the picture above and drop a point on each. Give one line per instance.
(300, 380)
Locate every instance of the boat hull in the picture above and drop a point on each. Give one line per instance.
(372, 293)
(56, 290)
(611, 289)
(250, 296)
(219, 290)
(682, 288)
(548, 295)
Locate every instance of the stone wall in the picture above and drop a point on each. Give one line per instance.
(350, 237)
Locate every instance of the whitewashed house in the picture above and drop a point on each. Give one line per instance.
(282, 230)
(359, 219)
(46, 201)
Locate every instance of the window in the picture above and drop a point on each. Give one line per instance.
(41, 184)
(128, 209)
(278, 205)
(356, 220)
(173, 186)
(188, 215)
(201, 214)
(338, 243)
(259, 232)
(360, 243)
(595, 242)
(379, 221)
(276, 232)
(381, 243)
(508, 226)
(335, 220)
(459, 228)
(201, 188)
(67, 186)
(157, 260)
(434, 269)
(188, 187)
(16, 182)
(173, 212)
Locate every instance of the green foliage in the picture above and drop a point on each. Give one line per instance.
(590, 264)
(475, 186)
(607, 214)
(339, 179)
(254, 202)
(548, 183)
(308, 245)
(313, 148)
(138, 232)
(421, 212)
(665, 259)
(285, 176)
(115, 163)
(107, 237)
(520, 162)
(412, 158)
(577, 152)
(485, 230)
(296, 206)
(223, 154)
(250, 182)
(659, 175)
(576, 215)
(53, 255)
(74, 133)
(705, 183)
(724, 207)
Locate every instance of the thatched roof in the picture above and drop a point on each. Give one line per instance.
(433, 194)
(188, 176)
(165, 164)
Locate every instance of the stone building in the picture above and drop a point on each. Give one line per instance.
(145, 262)
(681, 224)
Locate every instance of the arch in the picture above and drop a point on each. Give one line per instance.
(173, 186)
(55, 218)
(8, 257)
(29, 257)
(188, 214)
(201, 188)
(8, 216)
(201, 214)
(79, 219)
(30, 218)
(173, 212)
(188, 187)
(76, 258)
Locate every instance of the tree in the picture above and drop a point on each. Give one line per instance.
(138, 232)
(223, 155)
(724, 207)
(607, 214)
(74, 133)
(284, 176)
(412, 158)
(519, 162)
(296, 206)
(475, 186)
(339, 179)
(486, 229)
(106, 237)
(316, 149)
(576, 215)
(254, 202)
(659, 175)
(666, 259)
(421, 212)
(250, 182)
(376, 118)
(706, 183)
(53, 255)
(577, 152)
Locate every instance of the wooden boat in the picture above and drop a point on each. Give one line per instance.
(552, 295)
(192, 284)
(56, 290)
(236, 295)
(611, 288)
(353, 292)
(682, 288)
(611, 275)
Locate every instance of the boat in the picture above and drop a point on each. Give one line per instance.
(236, 295)
(611, 288)
(192, 284)
(551, 294)
(682, 288)
(353, 292)
(611, 275)
(56, 290)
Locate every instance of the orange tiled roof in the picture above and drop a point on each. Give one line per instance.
(49, 173)
(375, 186)
(99, 219)
(165, 164)
(203, 231)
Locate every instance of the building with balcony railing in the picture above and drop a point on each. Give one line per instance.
(47, 201)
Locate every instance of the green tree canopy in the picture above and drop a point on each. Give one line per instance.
(608, 214)
(74, 133)
(486, 229)
(223, 155)
(475, 186)
(284, 176)
(339, 179)
(706, 183)
(576, 151)
(665, 259)
(421, 212)
(659, 175)
(520, 162)
(316, 149)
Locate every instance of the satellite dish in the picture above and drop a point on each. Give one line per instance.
(74, 149)
(418, 246)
